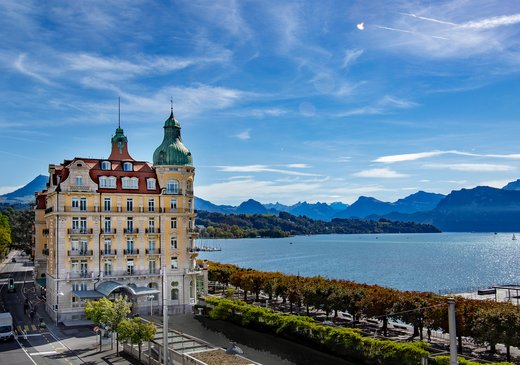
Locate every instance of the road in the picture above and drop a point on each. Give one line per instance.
(32, 346)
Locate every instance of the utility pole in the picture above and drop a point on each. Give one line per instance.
(452, 326)
(165, 316)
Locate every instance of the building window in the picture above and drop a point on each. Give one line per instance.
(75, 202)
(105, 165)
(83, 245)
(151, 245)
(175, 263)
(151, 225)
(173, 204)
(75, 266)
(156, 287)
(107, 267)
(112, 182)
(130, 245)
(127, 166)
(151, 267)
(151, 205)
(75, 223)
(83, 225)
(74, 245)
(79, 180)
(108, 245)
(79, 286)
(129, 205)
(172, 187)
(130, 266)
(83, 203)
(173, 243)
(107, 182)
(173, 223)
(108, 225)
(150, 184)
(83, 267)
(130, 182)
(107, 205)
(174, 291)
(130, 224)
(189, 205)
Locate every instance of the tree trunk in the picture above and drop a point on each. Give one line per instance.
(290, 307)
(415, 331)
(385, 326)
(459, 347)
(493, 348)
(421, 333)
(308, 313)
(117, 344)
(257, 296)
(139, 346)
(508, 353)
(335, 313)
(245, 295)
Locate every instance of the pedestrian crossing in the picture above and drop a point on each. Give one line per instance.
(26, 328)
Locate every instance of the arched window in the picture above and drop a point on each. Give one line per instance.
(175, 291)
(172, 187)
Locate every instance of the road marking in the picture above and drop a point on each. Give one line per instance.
(26, 327)
(33, 327)
(24, 350)
(30, 335)
(43, 353)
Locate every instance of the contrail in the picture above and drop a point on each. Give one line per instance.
(409, 31)
(428, 19)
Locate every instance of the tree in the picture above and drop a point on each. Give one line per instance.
(136, 331)
(21, 222)
(5, 234)
(120, 310)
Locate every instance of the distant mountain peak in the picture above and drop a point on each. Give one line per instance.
(25, 194)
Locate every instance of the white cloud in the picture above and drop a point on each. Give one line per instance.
(471, 167)
(244, 135)
(8, 189)
(490, 23)
(382, 106)
(421, 155)
(298, 166)
(351, 56)
(262, 168)
(499, 184)
(20, 66)
(384, 173)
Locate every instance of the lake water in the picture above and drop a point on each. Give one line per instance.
(426, 262)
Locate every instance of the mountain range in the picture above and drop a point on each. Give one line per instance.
(481, 208)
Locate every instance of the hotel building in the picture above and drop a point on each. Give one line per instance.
(106, 227)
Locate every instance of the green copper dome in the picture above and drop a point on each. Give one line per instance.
(172, 151)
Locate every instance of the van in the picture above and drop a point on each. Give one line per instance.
(6, 327)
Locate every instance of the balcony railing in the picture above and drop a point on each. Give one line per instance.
(108, 252)
(73, 253)
(133, 272)
(80, 274)
(131, 230)
(154, 251)
(79, 231)
(45, 252)
(153, 230)
(108, 231)
(82, 188)
(134, 251)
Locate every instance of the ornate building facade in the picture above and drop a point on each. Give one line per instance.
(110, 226)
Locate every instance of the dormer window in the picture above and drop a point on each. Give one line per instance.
(106, 165)
(150, 184)
(79, 180)
(130, 183)
(127, 166)
(107, 182)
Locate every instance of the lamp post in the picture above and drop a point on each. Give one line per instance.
(150, 298)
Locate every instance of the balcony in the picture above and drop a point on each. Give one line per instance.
(108, 231)
(80, 188)
(193, 271)
(189, 192)
(81, 231)
(131, 230)
(108, 252)
(193, 232)
(80, 274)
(153, 230)
(80, 253)
(45, 252)
(154, 251)
(132, 252)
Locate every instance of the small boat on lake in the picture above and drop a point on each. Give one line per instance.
(514, 237)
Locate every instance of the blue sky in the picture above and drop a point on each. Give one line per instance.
(278, 100)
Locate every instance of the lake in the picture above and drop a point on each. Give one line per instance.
(455, 262)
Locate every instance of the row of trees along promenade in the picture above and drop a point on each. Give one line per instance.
(485, 322)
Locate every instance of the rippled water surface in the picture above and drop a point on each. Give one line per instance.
(430, 262)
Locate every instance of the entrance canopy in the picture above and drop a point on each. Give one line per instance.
(87, 294)
(108, 287)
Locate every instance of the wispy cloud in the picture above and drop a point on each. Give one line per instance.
(262, 168)
(490, 23)
(298, 166)
(471, 167)
(422, 155)
(20, 66)
(351, 56)
(384, 173)
(384, 105)
(244, 135)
